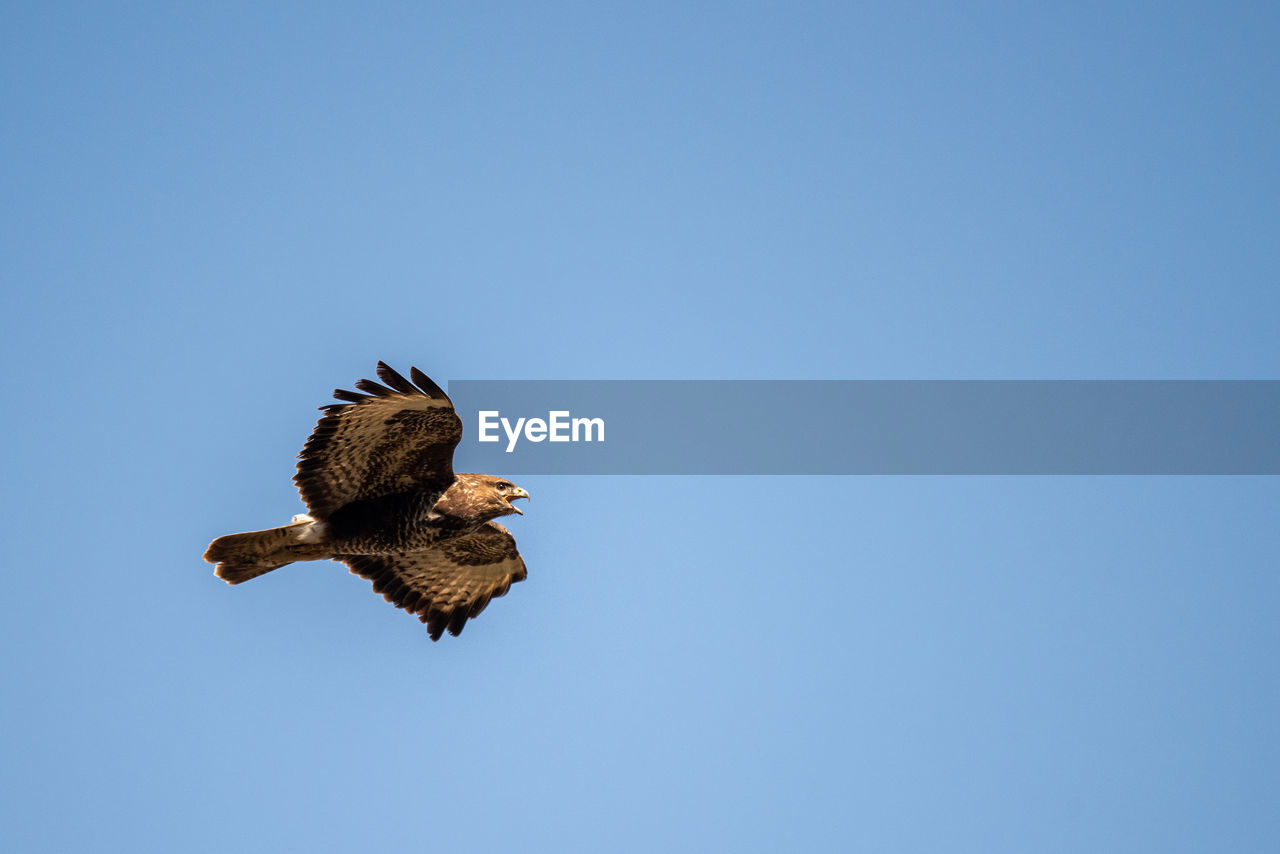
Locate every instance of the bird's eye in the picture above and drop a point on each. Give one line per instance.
(505, 485)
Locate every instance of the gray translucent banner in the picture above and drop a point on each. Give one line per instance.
(868, 427)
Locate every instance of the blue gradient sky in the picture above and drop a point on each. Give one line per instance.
(215, 214)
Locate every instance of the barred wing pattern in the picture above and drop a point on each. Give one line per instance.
(449, 583)
(395, 438)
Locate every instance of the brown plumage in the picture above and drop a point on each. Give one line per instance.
(377, 478)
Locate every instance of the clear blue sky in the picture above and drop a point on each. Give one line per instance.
(215, 213)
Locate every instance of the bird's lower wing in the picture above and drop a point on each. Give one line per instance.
(451, 582)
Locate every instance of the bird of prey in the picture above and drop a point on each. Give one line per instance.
(377, 478)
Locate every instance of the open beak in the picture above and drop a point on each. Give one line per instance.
(511, 499)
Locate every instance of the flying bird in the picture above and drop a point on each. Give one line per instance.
(377, 478)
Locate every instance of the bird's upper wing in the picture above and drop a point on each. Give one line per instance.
(390, 440)
(449, 583)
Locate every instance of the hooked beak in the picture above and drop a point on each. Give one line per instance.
(519, 493)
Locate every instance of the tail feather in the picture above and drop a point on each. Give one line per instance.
(240, 557)
(234, 573)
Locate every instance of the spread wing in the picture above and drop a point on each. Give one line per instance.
(449, 583)
(390, 440)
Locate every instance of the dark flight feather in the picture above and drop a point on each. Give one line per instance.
(424, 382)
(393, 379)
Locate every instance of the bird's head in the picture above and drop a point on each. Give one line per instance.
(481, 496)
(509, 492)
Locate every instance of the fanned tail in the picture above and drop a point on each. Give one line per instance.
(241, 557)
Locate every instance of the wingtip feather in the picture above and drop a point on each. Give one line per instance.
(373, 388)
(392, 378)
(428, 385)
(349, 396)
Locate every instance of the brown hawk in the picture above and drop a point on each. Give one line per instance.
(377, 478)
